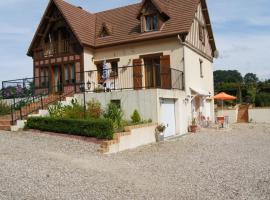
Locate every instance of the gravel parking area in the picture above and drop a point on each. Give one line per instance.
(212, 164)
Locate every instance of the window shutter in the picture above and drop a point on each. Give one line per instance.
(137, 74)
(165, 72)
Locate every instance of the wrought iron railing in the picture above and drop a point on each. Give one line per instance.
(21, 88)
(125, 78)
(31, 104)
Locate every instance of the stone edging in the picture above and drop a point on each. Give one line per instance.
(104, 147)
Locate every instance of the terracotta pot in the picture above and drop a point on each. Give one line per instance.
(193, 128)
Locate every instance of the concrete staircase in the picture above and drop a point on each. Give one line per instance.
(33, 109)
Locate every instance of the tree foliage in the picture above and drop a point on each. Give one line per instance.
(248, 89)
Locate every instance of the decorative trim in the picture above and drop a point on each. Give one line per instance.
(151, 55)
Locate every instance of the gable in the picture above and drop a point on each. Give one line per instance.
(149, 7)
(201, 35)
(75, 18)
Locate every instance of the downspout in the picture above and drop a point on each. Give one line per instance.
(184, 65)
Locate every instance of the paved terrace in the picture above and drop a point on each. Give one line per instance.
(209, 165)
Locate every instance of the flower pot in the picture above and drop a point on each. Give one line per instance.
(193, 128)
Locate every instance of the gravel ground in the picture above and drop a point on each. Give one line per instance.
(210, 165)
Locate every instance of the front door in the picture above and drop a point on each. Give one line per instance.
(168, 116)
(57, 79)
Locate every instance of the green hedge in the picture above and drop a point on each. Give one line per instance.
(98, 128)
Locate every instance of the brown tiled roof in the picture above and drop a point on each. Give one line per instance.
(81, 22)
(124, 25)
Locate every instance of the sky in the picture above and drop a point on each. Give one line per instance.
(241, 30)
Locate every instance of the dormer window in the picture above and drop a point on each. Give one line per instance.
(104, 33)
(105, 30)
(151, 23)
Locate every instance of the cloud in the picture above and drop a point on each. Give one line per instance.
(246, 53)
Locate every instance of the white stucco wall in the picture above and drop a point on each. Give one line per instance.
(193, 77)
(127, 53)
(147, 102)
(256, 115)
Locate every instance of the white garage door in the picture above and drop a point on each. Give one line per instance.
(168, 116)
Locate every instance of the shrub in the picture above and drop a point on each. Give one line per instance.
(262, 99)
(56, 110)
(115, 114)
(73, 111)
(99, 128)
(135, 117)
(94, 109)
(4, 108)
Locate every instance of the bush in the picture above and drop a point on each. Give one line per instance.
(135, 117)
(115, 114)
(94, 109)
(262, 99)
(99, 128)
(73, 111)
(4, 108)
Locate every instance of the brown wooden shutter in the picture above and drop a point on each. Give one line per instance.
(165, 72)
(137, 74)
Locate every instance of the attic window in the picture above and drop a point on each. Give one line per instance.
(104, 32)
(151, 23)
(201, 33)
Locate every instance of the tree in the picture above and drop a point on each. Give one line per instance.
(251, 79)
(227, 76)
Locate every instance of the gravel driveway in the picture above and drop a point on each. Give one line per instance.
(209, 165)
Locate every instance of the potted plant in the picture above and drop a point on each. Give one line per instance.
(160, 132)
(193, 127)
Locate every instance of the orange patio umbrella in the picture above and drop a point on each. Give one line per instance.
(223, 96)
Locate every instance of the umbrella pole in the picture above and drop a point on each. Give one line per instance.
(222, 107)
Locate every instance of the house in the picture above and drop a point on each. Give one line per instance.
(159, 54)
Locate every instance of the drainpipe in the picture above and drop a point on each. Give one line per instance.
(184, 66)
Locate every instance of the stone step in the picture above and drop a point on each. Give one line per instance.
(5, 122)
(5, 128)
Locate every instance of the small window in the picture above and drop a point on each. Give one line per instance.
(103, 32)
(201, 68)
(151, 23)
(117, 102)
(201, 34)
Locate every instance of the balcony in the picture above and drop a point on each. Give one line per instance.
(55, 48)
(130, 78)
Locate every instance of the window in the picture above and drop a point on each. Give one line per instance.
(104, 32)
(201, 34)
(73, 73)
(44, 73)
(69, 73)
(117, 102)
(201, 68)
(66, 69)
(151, 23)
(152, 72)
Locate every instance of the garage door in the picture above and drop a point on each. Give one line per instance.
(168, 116)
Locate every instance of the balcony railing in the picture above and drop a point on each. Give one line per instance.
(127, 78)
(54, 48)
